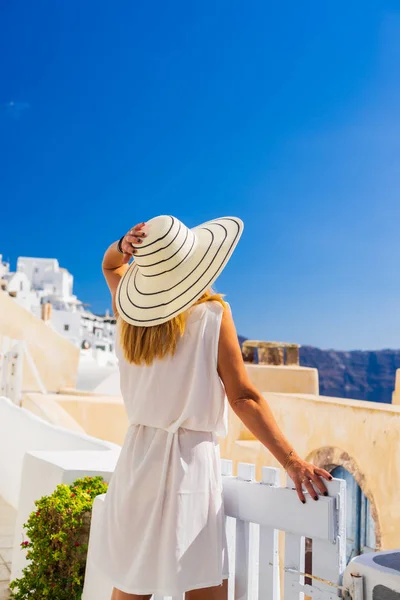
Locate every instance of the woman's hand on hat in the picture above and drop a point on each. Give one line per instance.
(133, 238)
(308, 476)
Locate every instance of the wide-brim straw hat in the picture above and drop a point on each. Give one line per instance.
(173, 267)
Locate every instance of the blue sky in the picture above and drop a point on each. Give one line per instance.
(285, 114)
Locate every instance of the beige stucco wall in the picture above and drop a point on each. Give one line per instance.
(46, 407)
(268, 378)
(364, 437)
(284, 379)
(103, 417)
(56, 359)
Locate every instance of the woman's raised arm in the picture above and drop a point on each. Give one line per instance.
(117, 257)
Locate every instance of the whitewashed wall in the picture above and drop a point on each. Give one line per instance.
(36, 456)
(60, 318)
(19, 283)
(22, 431)
(38, 270)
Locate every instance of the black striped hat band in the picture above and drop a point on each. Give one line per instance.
(174, 267)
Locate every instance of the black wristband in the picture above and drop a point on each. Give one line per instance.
(119, 248)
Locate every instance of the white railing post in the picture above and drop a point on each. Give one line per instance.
(230, 527)
(269, 575)
(295, 556)
(329, 559)
(295, 552)
(246, 547)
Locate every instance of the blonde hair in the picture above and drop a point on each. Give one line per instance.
(142, 345)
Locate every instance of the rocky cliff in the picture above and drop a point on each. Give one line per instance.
(364, 375)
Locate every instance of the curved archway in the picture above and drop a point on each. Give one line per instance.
(331, 458)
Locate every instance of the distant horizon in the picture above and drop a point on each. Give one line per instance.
(286, 117)
(240, 336)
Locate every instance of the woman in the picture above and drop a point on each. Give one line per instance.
(163, 524)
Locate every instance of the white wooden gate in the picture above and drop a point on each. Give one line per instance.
(256, 512)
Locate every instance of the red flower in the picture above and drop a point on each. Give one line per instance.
(24, 543)
(77, 544)
(38, 513)
(72, 495)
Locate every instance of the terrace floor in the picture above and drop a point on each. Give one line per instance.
(7, 523)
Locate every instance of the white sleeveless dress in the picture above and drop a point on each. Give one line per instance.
(163, 526)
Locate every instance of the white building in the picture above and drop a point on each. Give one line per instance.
(46, 276)
(44, 288)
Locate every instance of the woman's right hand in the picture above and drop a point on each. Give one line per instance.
(134, 236)
(308, 475)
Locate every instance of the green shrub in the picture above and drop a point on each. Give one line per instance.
(58, 532)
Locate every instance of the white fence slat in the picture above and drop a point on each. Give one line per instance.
(226, 467)
(294, 565)
(270, 476)
(230, 526)
(254, 560)
(314, 592)
(325, 567)
(246, 472)
(268, 574)
(242, 561)
(329, 559)
(245, 545)
(246, 565)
